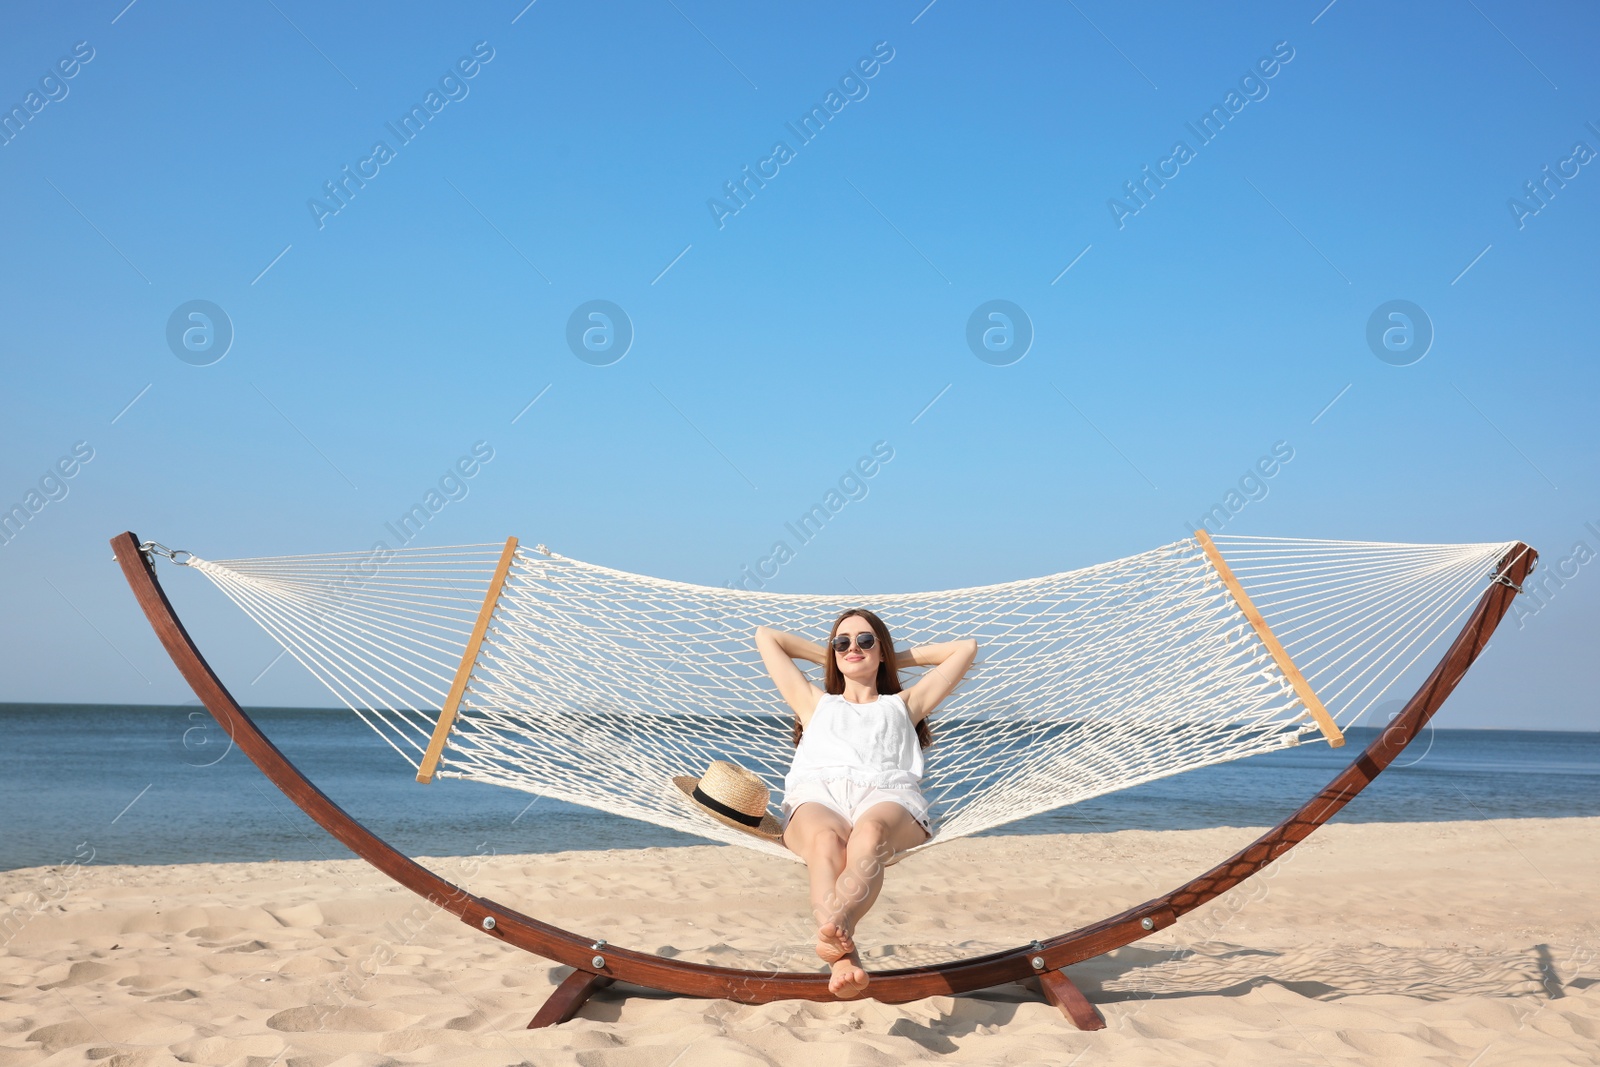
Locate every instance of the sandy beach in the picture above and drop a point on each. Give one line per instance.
(1427, 943)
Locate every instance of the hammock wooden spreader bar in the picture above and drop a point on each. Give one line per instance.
(596, 965)
(1280, 655)
(458, 688)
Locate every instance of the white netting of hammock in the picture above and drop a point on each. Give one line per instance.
(596, 686)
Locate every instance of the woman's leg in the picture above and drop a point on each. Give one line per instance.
(882, 830)
(818, 835)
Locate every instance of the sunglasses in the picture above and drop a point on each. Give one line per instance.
(864, 641)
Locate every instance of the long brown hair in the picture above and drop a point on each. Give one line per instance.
(888, 680)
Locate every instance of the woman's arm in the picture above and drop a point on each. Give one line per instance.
(947, 664)
(778, 651)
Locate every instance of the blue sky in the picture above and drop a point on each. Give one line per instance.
(374, 346)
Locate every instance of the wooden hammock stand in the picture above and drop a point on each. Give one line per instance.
(596, 964)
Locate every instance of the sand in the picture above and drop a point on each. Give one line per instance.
(1467, 943)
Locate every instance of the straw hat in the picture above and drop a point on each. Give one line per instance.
(734, 797)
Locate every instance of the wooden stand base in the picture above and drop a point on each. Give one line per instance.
(579, 986)
(1060, 991)
(569, 996)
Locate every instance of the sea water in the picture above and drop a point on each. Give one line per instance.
(152, 785)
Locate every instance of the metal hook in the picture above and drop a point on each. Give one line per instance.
(156, 548)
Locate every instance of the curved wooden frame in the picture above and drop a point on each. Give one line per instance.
(597, 964)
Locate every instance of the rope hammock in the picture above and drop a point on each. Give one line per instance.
(527, 669)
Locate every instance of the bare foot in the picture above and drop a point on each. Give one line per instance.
(849, 979)
(833, 943)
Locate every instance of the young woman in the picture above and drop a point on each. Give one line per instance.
(853, 796)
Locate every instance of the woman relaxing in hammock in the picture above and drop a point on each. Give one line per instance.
(853, 796)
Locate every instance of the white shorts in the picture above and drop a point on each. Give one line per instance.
(850, 800)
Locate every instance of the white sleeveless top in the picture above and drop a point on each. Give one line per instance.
(869, 744)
